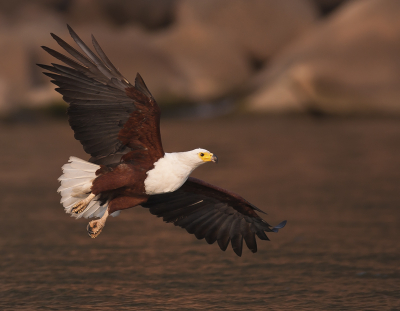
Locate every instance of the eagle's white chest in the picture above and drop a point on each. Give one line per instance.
(168, 175)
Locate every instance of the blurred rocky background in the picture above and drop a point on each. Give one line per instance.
(339, 57)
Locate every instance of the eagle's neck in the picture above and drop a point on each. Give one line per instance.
(170, 172)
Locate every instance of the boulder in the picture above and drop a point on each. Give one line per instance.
(19, 47)
(259, 28)
(348, 64)
(211, 67)
(85, 12)
(215, 43)
(150, 14)
(326, 7)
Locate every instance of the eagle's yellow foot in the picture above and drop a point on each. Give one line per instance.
(81, 205)
(95, 227)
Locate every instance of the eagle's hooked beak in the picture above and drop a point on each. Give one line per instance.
(208, 157)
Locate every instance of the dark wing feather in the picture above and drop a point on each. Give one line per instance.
(110, 117)
(212, 213)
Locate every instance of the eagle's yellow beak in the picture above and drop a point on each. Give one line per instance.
(208, 157)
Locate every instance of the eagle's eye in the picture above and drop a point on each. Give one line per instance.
(202, 154)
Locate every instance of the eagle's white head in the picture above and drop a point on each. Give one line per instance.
(197, 157)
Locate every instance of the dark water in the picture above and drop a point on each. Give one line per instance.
(335, 181)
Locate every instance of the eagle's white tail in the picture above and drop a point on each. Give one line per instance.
(76, 182)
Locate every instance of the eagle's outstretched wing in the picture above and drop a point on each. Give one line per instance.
(110, 117)
(213, 214)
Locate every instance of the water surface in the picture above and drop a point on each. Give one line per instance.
(335, 181)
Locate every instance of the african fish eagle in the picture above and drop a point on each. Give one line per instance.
(118, 124)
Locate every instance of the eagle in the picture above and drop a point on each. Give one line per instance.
(118, 124)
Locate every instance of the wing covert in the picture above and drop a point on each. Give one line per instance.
(213, 214)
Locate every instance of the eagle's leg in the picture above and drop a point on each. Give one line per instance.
(81, 205)
(95, 227)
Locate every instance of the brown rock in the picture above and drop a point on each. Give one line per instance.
(259, 28)
(85, 12)
(150, 14)
(212, 67)
(214, 42)
(347, 64)
(326, 7)
(19, 47)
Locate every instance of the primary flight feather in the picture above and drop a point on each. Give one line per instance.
(118, 124)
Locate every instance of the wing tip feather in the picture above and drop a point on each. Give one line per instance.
(279, 226)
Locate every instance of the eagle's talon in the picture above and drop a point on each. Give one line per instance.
(95, 227)
(81, 205)
(91, 228)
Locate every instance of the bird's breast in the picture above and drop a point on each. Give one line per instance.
(166, 176)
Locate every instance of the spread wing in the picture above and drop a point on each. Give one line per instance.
(110, 117)
(213, 214)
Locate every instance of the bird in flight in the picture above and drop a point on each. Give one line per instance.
(118, 124)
